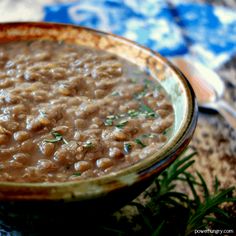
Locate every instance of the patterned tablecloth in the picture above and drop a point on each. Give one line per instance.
(214, 139)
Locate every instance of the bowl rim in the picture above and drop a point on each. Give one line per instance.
(145, 168)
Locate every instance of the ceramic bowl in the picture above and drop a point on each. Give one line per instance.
(109, 192)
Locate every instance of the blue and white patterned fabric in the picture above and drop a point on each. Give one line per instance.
(172, 28)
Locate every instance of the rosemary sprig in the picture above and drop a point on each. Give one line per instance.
(169, 212)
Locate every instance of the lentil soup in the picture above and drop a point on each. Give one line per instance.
(69, 112)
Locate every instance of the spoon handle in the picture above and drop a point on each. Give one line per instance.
(228, 112)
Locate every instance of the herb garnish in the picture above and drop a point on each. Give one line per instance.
(121, 115)
(127, 147)
(76, 174)
(115, 93)
(138, 141)
(168, 211)
(122, 124)
(108, 122)
(147, 111)
(166, 131)
(133, 113)
(88, 144)
(42, 113)
(140, 95)
(148, 135)
(57, 138)
(145, 108)
(112, 117)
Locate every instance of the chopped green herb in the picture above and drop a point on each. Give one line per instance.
(42, 113)
(112, 117)
(138, 141)
(115, 93)
(140, 95)
(122, 124)
(149, 136)
(166, 131)
(122, 115)
(88, 144)
(64, 141)
(108, 122)
(145, 108)
(57, 138)
(127, 147)
(133, 113)
(52, 140)
(148, 112)
(76, 174)
(151, 115)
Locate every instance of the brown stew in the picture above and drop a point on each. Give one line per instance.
(69, 112)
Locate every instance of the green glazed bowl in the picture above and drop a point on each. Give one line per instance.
(92, 196)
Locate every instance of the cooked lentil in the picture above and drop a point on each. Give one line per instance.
(69, 112)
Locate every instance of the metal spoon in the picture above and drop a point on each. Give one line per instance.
(208, 87)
